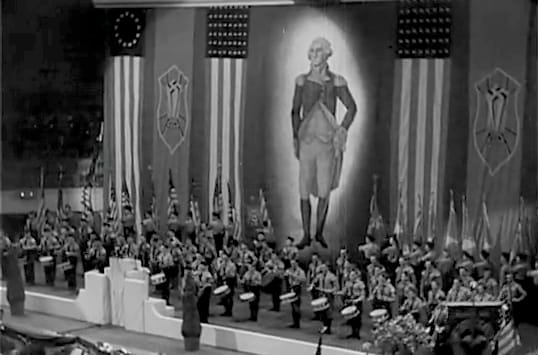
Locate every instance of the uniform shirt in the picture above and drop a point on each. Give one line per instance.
(49, 245)
(289, 252)
(229, 269)
(412, 305)
(312, 271)
(252, 278)
(445, 265)
(166, 259)
(484, 297)
(369, 250)
(415, 257)
(98, 253)
(430, 275)
(329, 282)
(435, 297)
(400, 270)
(28, 243)
(514, 291)
(296, 277)
(276, 267)
(205, 279)
(71, 249)
(384, 292)
(355, 290)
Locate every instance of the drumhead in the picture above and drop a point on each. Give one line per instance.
(221, 289)
(287, 295)
(349, 310)
(319, 301)
(378, 313)
(246, 296)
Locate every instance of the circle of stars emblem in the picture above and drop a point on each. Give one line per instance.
(127, 29)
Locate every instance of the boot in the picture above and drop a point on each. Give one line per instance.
(306, 212)
(323, 208)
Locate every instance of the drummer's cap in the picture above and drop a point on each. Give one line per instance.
(370, 238)
(290, 238)
(418, 243)
(485, 253)
(315, 253)
(430, 244)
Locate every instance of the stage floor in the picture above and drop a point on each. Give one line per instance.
(274, 323)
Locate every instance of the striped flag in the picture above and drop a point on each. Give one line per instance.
(418, 234)
(420, 101)
(193, 206)
(468, 243)
(484, 235)
(86, 201)
(125, 198)
(451, 238)
(508, 337)
(123, 92)
(113, 214)
(234, 217)
(227, 43)
(41, 209)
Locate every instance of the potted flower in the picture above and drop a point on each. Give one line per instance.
(191, 328)
(403, 336)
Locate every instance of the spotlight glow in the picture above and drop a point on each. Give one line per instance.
(292, 51)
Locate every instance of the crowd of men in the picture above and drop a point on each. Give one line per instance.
(383, 277)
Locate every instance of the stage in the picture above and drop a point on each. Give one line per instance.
(273, 323)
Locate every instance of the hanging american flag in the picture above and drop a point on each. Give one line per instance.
(420, 97)
(125, 198)
(507, 337)
(112, 214)
(195, 212)
(376, 226)
(123, 89)
(233, 216)
(483, 227)
(400, 226)
(227, 47)
(86, 201)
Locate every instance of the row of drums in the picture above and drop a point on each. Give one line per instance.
(318, 305)
(49, 260)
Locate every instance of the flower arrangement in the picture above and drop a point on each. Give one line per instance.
(402, 333)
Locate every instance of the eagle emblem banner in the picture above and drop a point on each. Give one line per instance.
(496, 124)
(172, 112)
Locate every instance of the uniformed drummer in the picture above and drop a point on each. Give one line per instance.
(28, 246)
(205, 284)
(289, 252)
(71, 252)
(329, 286)
(354, 294)
(229, 272)
(296, 279)
(252, 280)
(384, 294)
(412, 304)
(276, 268)
(49, 247)
(166, 264)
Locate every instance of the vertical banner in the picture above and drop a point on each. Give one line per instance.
(172, 69)
(496, 94)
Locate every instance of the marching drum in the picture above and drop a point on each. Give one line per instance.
(222, 290)
(350, 312)
(379, 316)
(65, 266)
(320, 304)
(158, 279)
(288, 298)
(247, 297)
(45, 260)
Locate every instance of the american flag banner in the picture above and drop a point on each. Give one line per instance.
(125, 198)
(507, 338)
(86, 201)
(173, 201)
(42, 208)
(227, 47)
(233, 216)
(195, 212)
(123, 92)
(112, 214)
(420, 101)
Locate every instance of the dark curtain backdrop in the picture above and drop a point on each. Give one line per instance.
(362, 38)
